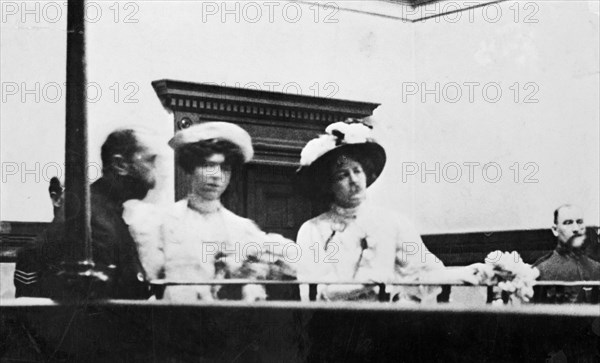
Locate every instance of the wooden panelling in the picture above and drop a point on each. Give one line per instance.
(465, 248)
(275, 211)
(15, 235)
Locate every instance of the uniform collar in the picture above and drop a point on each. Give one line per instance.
(112, 197)
(568, 250)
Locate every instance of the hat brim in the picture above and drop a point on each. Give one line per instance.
(316, 174)
(215, 130)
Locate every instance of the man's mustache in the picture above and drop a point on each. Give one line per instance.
(576, 237)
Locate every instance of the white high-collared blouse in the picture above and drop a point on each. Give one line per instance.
(183, 243)
(361, 244)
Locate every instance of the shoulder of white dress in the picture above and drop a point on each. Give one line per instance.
(388, 217)
(173, 213)
(390, 214)
(319, 222)
(229, 214)
(402, 219)
(239, 220)
(137, 212)
(180, 204)
(323, 217)
(177, 208)
(381, 213)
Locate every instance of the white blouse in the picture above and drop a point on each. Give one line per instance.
(362, 244)
(181, 243)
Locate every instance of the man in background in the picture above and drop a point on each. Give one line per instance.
(37, 263)
(127, 173)
(128, 163)
(568, 261)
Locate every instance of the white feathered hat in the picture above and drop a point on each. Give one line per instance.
(351, 137)
(215, 130)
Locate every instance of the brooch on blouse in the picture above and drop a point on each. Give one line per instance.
(337, 226)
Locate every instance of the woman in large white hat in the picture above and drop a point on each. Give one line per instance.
(355, 240)
(198, 239)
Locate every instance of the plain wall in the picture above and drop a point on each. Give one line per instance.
(366, 58)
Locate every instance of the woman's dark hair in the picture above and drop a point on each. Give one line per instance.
(320, 185)
(366, 162)
(191, 156)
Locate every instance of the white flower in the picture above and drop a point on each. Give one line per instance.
(338, 126)
(507, 286)
(137, 212)
(315, 148)
(252, 293)
(145, 221)
(355, 133)
(512, 274)
(493, 257)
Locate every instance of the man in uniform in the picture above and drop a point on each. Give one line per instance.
(568, 261)
(127, 173)
(128, 163)
(37, 263)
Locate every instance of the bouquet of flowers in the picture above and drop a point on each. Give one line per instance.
(268, 264)
(509, 274)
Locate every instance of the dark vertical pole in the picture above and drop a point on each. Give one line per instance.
(77, 198)
(78, 278)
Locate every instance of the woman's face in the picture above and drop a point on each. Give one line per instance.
(211, 179)
(349, 182)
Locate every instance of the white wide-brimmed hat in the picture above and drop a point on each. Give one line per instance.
(351, 137)
(215, 130)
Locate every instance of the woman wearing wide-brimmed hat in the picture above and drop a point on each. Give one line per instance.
(356, 240)
(197, 238)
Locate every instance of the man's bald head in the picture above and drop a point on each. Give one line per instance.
(128, 159)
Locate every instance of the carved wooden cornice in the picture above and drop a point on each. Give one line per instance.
(280, 124)
(255, 104)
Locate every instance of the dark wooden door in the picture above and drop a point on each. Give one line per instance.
(268, 195)
(273, 201)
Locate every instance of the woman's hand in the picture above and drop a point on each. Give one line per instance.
(472, 274)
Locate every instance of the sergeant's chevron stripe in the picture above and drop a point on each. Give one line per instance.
(26, 278)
